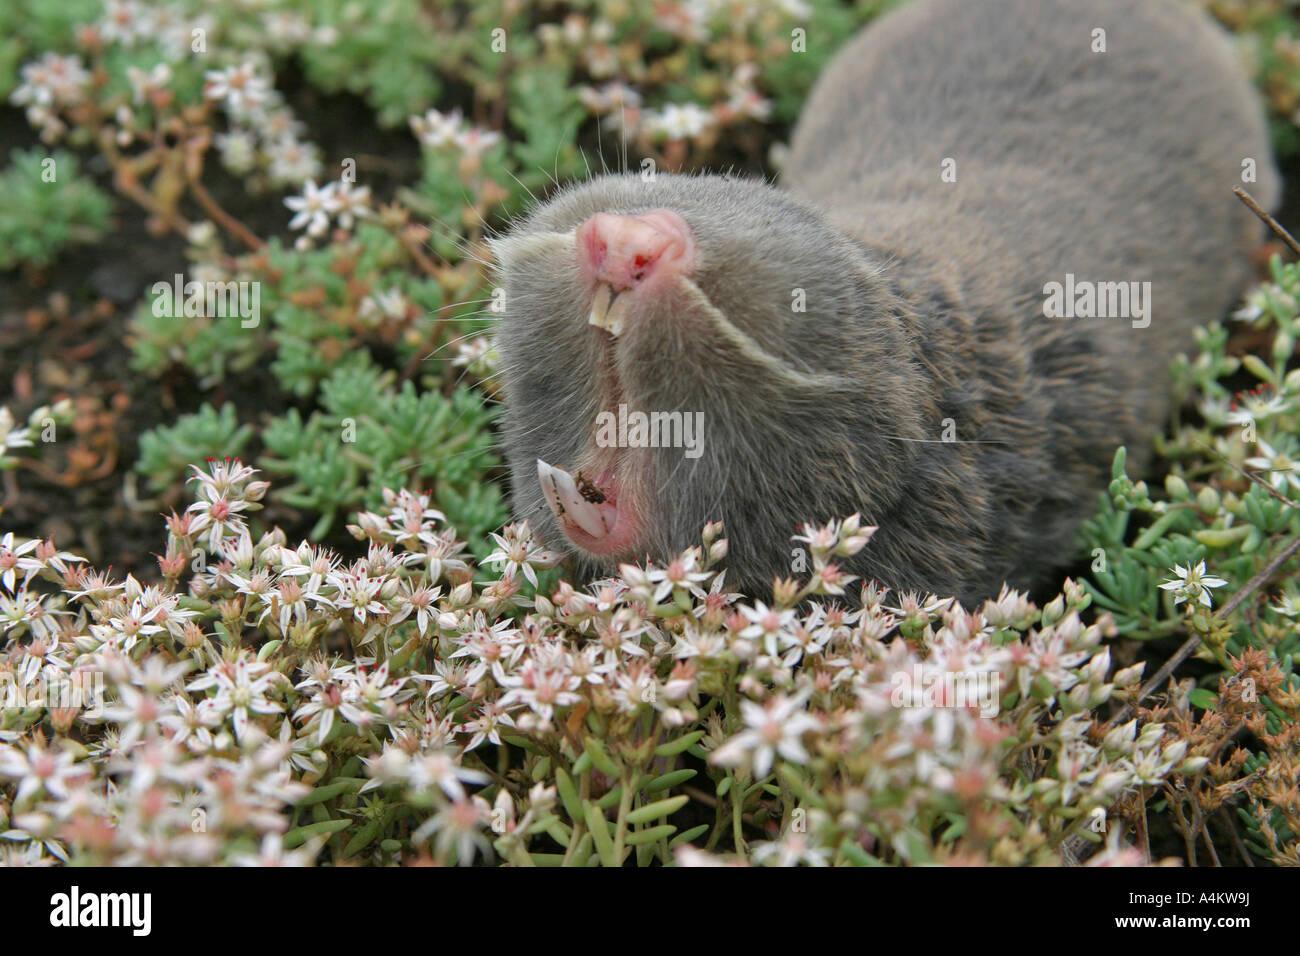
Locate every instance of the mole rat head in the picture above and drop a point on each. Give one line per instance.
(670, 349)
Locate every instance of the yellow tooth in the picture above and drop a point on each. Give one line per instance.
(616, 313)
(600, 306)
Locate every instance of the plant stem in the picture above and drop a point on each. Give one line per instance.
(737, 819)
(1258, 210)
(624, 805)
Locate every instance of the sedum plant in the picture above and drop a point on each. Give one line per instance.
(404, 702)
(1209, 559)
(48, 207)
(369, 435)
(316, 309)
(166, 451)
(366, 435)
(29, 27)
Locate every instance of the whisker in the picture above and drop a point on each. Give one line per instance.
(459, 338)
(449, 233)
(948, 441)
(600, 146)
(456, 305)
(456, 238)
(487, 227)
(671, 474)
(622, 131)
(524, 187)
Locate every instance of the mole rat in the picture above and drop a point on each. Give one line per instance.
(998, 223)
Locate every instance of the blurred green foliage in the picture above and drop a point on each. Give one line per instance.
(47, 206)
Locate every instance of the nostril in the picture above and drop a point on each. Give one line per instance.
(623, 251)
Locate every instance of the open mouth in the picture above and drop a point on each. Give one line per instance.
(587, 502)
(587, 509)
(628, 263)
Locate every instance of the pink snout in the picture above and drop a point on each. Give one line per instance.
(627, 251)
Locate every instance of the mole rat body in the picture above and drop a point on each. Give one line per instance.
(1000, 220)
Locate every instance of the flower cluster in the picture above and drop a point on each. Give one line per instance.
(601, 48)
(264, 134)
(340, 201)
(51, 84)
(42, 425)
(268, 702)
(438, 130)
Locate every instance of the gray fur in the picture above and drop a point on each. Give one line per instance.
(924, 297)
